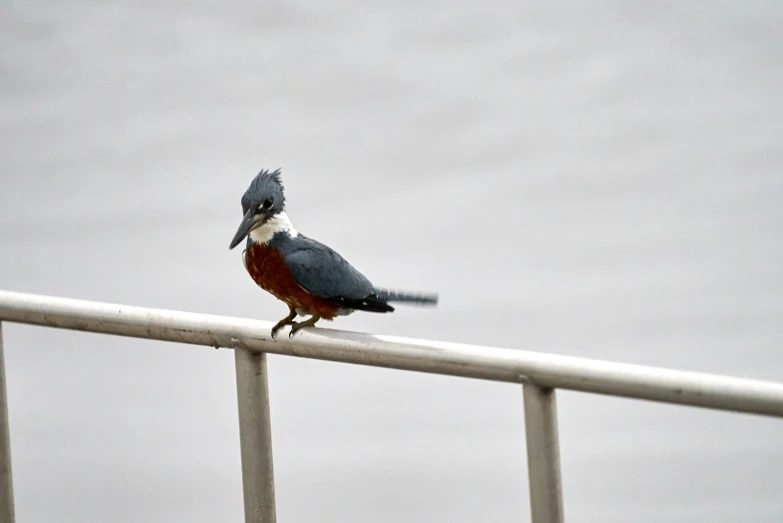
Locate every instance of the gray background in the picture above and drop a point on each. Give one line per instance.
(589, 178)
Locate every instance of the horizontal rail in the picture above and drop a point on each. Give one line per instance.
(516, 366)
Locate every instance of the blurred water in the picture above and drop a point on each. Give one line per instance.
(598, 179)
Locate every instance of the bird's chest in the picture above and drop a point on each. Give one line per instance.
(268, 269)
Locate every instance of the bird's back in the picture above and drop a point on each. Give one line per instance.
(320, 269)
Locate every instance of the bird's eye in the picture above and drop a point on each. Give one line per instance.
(266, 205)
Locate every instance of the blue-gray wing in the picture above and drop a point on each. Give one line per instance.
(324, 273)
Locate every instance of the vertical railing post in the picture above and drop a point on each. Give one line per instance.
(543, 454)
(255, 436)
(6, 480)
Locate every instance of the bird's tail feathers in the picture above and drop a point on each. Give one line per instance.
(413, 298)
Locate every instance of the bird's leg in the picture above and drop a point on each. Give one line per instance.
(288, 320)
(296, 327)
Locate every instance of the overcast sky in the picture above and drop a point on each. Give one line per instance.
(597, 179)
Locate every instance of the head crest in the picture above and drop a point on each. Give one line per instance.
(265, 176)
(266, 184)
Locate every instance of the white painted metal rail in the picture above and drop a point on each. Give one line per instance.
(539, 374)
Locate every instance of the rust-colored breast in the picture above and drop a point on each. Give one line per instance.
(268, 269)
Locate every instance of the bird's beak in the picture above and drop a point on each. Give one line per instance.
(248, 224)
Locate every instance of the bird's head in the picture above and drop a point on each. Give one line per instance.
(263, 200)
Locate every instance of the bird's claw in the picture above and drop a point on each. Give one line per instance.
(296, 327)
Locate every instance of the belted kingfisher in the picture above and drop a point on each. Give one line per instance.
(311, 278)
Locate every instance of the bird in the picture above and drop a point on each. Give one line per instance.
(308, 276)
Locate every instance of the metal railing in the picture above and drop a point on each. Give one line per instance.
(538, 374)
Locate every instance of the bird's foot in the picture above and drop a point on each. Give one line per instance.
(296, 327)
(279, 326)
(288, 320)
(276, 328)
